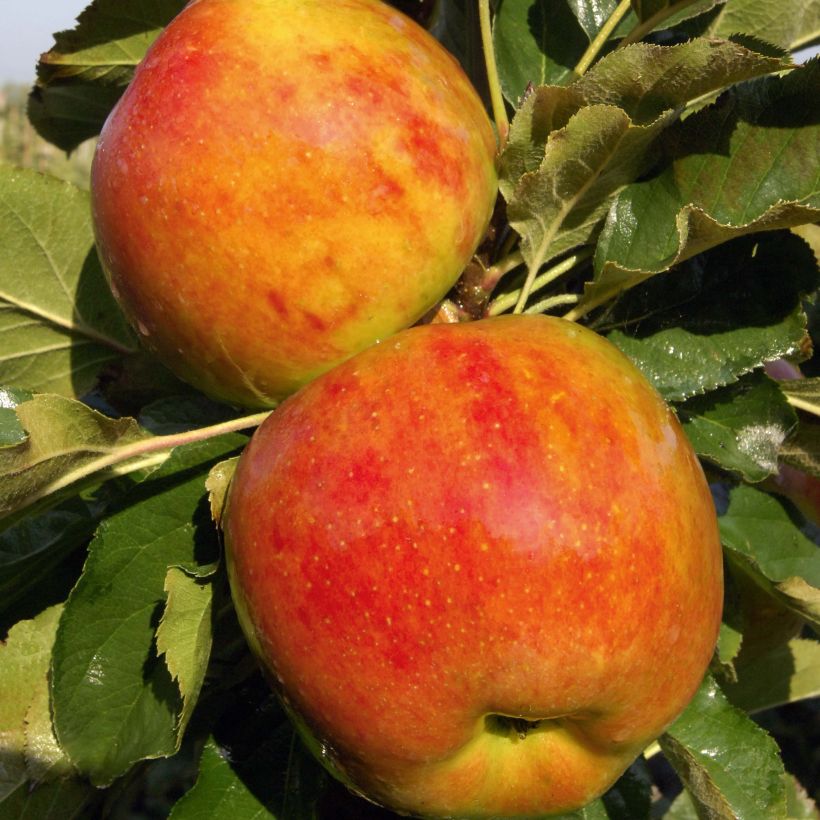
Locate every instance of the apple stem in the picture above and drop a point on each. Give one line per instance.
(446, 312)
(601, 38)
(510, 300)
(502, 123)
(581, 310)
(495, 272)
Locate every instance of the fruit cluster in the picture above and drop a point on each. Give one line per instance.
(477, 561)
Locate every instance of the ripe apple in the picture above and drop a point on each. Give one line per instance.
(284, 183)
(481, 565)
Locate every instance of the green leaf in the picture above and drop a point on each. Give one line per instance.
(110, 39)
(265, 772)
(28, 749)
(67, 442)
(683, 808)
(667, 12)
(763, 542)
(661, 15)
(11, 431)
(630, 798)
(785, 674)
(184, 635)
(59, 324)
(704, 324)
(68, 799)
(218, 792)
(68, 115)
(178, 414)
(736, 167)
(32, 549)
(729, 765)
(645, 81)
(537, 42)
(219, 479)
(729, 642)
(82, 76)
(571, 149)
(799, 805)
(789, 24)
(648, 80)
(592, 14)
(559, 205)
(803, 394)
(592, 811)
(741, 427)
(802, 451)
(114, 700)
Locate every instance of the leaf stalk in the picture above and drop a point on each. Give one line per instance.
(149, 452)
(502, 122)
(509, 300)
(594, 49)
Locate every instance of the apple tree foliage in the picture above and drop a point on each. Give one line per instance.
(659, 183)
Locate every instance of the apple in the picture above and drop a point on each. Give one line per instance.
(284, 183)
(480, 563)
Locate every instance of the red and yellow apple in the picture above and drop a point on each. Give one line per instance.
(284, 183)
(481, 565)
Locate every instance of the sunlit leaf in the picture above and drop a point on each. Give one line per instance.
(803, 394)
(733, 168)
(741, 427)
(219, 480)
(704, 324)
(86, 70)
(184, 635)
(559, 205)
(28, 749)
(59, 324)
(571, 149)
(785, 674)
(730, 766)
(537, 42)
(114, 700)
(109, 40)
(592, 14)
(787, 23)
(802, 451)
(66, 443)
(667, 11)
(11, 431)
(764, 542)
(799, 805)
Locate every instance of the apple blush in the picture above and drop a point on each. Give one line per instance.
(284, 183)
(481, 566)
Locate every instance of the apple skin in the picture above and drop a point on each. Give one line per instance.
(284, 183)
(466, 521)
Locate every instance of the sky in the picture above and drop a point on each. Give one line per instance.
(26, 27)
